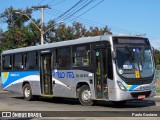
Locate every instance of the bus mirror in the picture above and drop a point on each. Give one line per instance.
(114, 56)
(153, 50)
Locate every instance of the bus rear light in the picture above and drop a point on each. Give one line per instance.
(121, 86)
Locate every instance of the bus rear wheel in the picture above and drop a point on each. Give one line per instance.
(27, 92)
(85, 96)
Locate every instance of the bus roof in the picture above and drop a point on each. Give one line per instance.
(66, 43)
(59, 44)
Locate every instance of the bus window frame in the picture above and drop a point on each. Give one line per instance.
(54, 58)
(25, 60)
(2, 62)
(79, 45)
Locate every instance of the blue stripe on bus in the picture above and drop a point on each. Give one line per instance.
(133, 87)
(130, 87)
(10, 77)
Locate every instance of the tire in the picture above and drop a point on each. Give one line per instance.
(119, 103)
(27, 92)
(85, 96)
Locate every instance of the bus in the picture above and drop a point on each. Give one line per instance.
(109, 67)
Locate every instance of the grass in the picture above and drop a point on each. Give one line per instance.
(158, 90)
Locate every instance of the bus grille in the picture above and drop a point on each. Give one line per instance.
(140, 81)
(136, 94)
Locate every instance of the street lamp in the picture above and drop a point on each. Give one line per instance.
(40, 29)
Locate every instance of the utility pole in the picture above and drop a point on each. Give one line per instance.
(42, 20)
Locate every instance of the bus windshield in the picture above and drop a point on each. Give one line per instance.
(131, 59)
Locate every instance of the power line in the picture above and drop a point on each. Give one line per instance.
(84, 20)
(40, 2)
(114, 29)
(73, 13)
(50, 2)
(87, 10)
(79, 2)
(99, 24)
(58, 3)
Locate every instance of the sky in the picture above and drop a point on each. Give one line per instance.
(121, 16)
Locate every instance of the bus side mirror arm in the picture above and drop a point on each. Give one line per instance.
(153, 50)
(153, 54)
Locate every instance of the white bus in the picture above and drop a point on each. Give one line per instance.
(109, 67)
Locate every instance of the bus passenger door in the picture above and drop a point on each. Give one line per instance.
(100, 67)
(46, 74)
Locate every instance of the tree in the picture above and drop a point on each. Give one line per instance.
(1, 37)
(157, 56)
(14, 20)
(79, 30)
(19, 34)
(14, 36)
(32, 33)
(50, 31)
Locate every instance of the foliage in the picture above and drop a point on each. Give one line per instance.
(157, 56)
(21, 33)
(14, 20)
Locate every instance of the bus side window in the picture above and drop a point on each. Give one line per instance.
(81, 56)
(18, 62)
(7, 62)
(31, 61)
(62, 58)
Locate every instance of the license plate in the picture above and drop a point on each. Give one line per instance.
(141, 96)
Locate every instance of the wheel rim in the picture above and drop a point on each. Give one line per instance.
(86, 95)
(27, 92)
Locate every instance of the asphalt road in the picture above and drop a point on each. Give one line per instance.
(14, 102)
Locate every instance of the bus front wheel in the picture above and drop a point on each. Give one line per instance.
(85, 96)
(27, 92)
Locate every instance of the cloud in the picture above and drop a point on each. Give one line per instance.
(155, 44)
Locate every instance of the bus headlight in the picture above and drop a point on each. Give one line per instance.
(121, 86)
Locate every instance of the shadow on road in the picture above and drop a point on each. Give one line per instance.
(129, 104)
